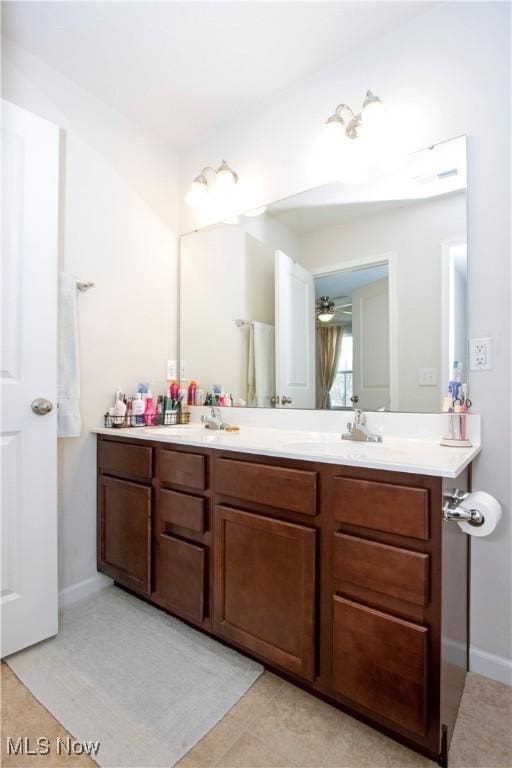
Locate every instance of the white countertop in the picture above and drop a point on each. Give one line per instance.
(396, 454)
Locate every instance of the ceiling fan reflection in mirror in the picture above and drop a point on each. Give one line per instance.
(326, 309)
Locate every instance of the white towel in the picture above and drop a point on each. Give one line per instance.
(261, 377)
(68, 387)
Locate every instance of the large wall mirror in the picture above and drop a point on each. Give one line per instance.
(344, 295)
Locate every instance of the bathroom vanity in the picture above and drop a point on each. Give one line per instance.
(338, 574)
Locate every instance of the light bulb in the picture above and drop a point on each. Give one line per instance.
(333, 133)
(324, 317)
(225, 180)
(374, 115)
(197, 195)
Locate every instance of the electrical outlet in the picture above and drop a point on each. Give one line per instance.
(183, 370)
(172, 370)
(480, 354)
(427, 377)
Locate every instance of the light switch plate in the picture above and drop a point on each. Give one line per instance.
(427, 377)
(172, 370)
(480, 354)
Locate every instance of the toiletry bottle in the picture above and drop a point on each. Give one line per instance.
(129, 412)
(138, 408)
(192, 389)
(174, 391)
(150, 411)
(455, 384)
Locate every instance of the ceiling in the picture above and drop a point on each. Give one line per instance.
(304, 220)
(341, 284)
(182, 68)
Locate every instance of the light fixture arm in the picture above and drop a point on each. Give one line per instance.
(355, 121)
(202, 176)
(339, 109)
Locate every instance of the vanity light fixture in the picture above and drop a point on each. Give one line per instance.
(223, 181)
(351, 142)
(371, 116)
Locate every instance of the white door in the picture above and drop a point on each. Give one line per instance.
(370, 338)
(295, 334)
(30, 178)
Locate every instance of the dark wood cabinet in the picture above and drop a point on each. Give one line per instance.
(343, 579)
(378, 506)
(294, 490)
(264, 593)
(124, 532)
(180, 577)
(380, 662)
(181, 468)
(393, 571)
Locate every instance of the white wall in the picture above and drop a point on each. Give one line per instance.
(449, 66)
(226, 275)
(118, 229)
(213, 287)
(414, 235)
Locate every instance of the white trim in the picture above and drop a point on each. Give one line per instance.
(349, 264)
(85, 588)
(489, 665)
(389, 258)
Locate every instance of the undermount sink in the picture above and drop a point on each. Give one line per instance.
(346, 448)
(184, 431)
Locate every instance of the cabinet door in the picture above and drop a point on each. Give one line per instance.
(264, 596)
(380, 662)
(180, 577)
(124, 532)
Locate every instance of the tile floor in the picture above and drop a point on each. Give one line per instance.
(276, 725)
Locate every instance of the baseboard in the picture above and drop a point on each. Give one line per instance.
(489, 665)
(85, 588)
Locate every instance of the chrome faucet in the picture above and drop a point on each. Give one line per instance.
(358, 431)
(216, 421)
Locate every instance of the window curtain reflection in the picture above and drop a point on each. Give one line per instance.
(330, 346)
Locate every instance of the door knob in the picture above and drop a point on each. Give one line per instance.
(354, 399)
(41, 406)
(286, 400)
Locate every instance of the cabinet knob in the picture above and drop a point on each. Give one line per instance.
(286, 400)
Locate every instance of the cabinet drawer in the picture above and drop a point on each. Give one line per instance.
(187, 469)
(380, 662)
(179, 578)
(125, 459)
(389, 570)
(182, 510)
(290, 489)
(396, 509)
